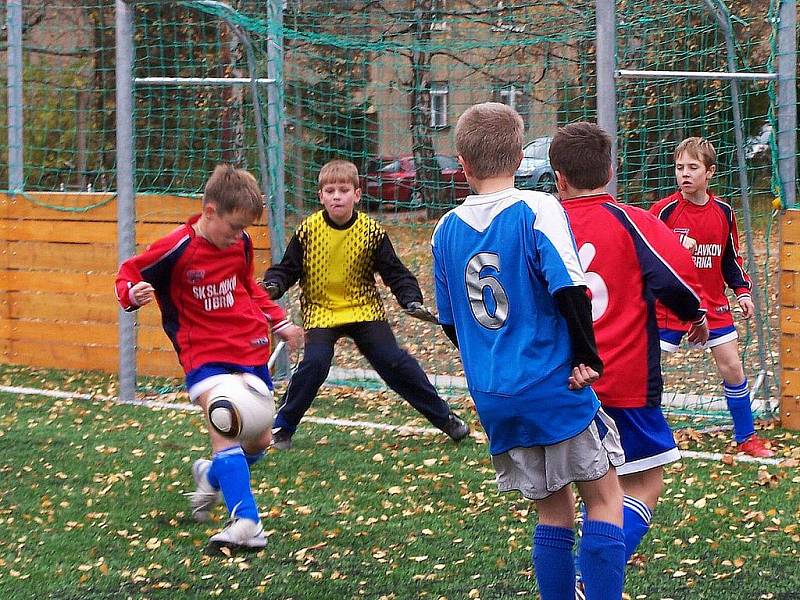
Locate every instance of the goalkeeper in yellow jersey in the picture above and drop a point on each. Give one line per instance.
(335, 254)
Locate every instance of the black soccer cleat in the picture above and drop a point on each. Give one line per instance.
(281, 439)
(456, 428)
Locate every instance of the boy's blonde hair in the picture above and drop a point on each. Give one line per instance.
(338, 171)
(489, 139)
(231, 189)
(699, 148)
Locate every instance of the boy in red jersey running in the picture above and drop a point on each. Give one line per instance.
(630, 260)
(707, 227)
(218, 320)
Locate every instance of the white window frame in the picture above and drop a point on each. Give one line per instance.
(439, 92)
(438, 21)
(503, 25)
(510, 95)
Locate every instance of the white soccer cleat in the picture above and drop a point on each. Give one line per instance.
(205, 496)
(240, 534)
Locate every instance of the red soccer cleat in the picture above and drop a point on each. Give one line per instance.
(754, 446)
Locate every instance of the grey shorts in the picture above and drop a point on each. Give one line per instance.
(540, 471)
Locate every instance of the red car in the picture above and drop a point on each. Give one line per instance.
(393, 180)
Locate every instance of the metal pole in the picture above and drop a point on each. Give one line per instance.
(203, 80)
(787, 101)
(275, 126)
(722, 15)
(717, 75)
(16, 176)
(605, 50)
(126, 207)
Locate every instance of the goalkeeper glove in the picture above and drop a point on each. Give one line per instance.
(418, 311)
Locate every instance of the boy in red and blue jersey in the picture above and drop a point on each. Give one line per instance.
(630, 259)
(706, 226)
(218, 320)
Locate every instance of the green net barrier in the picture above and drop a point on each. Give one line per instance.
(382, 84)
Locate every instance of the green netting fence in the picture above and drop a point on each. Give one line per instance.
(382, 83)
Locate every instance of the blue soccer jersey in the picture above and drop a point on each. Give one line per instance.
(498, 260)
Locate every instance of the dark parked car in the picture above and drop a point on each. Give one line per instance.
(393, 180)
(535, 172)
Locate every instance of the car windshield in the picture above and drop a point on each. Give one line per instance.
(537, 149)
(448, 162)
(384, 166)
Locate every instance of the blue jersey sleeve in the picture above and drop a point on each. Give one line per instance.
(557, 255)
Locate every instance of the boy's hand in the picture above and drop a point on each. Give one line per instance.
(689, 243)
(747, 306)
(698, 332)
(418, 311)
(582, 376)
(293, 335)
(272, 289)
(141, 293)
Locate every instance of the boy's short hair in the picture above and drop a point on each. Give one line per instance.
(338, 171)
(698, 148)
(489, 139)
(581, 152)
(231, 189)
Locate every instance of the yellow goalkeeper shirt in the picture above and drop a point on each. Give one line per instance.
(336, 266)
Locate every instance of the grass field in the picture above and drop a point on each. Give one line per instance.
(92, 506)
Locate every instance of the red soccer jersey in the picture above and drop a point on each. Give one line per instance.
(716, 258)
(630, 260)
(211, 307)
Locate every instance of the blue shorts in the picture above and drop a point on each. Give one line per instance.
(671, 338)
(203, 378)
(646, 438)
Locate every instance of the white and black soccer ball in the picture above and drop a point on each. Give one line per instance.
(241, 407)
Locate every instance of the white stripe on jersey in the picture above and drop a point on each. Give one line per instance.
(478, 211)
(653, 250)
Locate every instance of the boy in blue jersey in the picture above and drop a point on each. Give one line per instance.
(512, 297)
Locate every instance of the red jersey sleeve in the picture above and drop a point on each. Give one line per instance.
(274, 313)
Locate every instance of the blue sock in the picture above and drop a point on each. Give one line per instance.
(738, 399)
(553, 563)
(253, 458)
(636, 518)
(602, 560)
(229, 472)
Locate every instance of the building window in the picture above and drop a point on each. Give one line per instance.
(505, 20)
(438, 21)
(515, 96)
(439, 92)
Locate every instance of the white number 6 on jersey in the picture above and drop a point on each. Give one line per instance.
(596, 284)
(475, 286)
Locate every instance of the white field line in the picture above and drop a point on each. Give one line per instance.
(186, 407)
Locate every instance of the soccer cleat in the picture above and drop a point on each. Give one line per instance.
(754, 446)
(281, 439)
(205, 496)
(456, 428)
(239, 534)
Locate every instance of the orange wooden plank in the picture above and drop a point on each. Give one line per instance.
(790, 257)
(789, 292)
(790, 227)
(62, 307)
(790, 320)
(53, 282)
(790, 351)
(153, 208)
(790, 382)
(85, 358)
(96, 232)
(790, 413)
(50, 256)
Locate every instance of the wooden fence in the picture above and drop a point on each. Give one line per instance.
(57, 271)
(790, 319)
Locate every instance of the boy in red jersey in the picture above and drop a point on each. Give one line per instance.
(630, 260)
(707, 227)
(218, 320)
